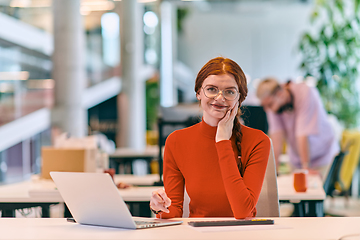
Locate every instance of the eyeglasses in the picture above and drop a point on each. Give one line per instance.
(212, 92)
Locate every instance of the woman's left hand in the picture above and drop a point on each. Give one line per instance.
(225, 125)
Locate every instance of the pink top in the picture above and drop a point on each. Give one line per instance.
(308, 118)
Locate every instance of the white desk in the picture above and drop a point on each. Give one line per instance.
(16, 196)
(137, 198)
(44, 191)
(307, 204)
(284, 228)
(286, 189)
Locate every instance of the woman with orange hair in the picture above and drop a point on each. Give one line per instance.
(220, 162)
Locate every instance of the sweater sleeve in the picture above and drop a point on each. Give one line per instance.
(174, 182)
(243, 192)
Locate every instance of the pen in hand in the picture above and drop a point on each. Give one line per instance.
(160, 201)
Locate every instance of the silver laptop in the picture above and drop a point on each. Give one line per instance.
(93, 199)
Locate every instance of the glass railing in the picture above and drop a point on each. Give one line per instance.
(25, 77)
(25, 84)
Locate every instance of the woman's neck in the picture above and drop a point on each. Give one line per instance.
(210, 120)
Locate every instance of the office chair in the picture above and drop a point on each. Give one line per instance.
(171, 126)
(268, 203)
(255, 117)
(339, 179)
(350, 162)
(333, 174)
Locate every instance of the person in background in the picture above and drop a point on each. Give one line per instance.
(296, 114)
(220, 162)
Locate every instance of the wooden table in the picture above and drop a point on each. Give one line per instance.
(283, 229)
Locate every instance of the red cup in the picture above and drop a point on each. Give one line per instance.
(300, 180)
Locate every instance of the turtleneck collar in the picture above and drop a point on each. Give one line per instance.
(207, 130)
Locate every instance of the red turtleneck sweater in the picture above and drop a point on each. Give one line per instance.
(210, 173)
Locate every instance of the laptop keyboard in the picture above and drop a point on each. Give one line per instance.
(145, 222)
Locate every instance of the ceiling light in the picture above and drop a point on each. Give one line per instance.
(150, 19)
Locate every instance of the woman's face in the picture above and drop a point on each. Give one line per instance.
(214, 109)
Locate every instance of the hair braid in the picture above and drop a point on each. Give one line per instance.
(238, 137)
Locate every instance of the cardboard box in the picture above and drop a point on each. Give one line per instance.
(67, 160)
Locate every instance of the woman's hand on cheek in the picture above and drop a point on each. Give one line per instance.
(225, 125)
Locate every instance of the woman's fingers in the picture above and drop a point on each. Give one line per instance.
(159, 201)
(226, 124)
(166, 199)
(234, 111)
(230, 114)
(226, 117)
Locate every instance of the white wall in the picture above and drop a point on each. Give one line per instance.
(262, 38)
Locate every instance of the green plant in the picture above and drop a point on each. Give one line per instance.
(331, 54)
(152, 102)
(182, 13)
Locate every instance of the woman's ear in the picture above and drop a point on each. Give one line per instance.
(198, 96)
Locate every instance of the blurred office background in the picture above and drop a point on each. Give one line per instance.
(107, 66)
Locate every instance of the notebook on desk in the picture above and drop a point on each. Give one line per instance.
(93, 199)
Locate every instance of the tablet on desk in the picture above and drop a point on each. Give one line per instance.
(217, 223)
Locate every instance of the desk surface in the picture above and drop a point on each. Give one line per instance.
(36, 190)
(19, 192)
(44, 190)
(286, 189)
(284, 228)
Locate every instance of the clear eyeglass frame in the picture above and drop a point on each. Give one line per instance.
(223, 92)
